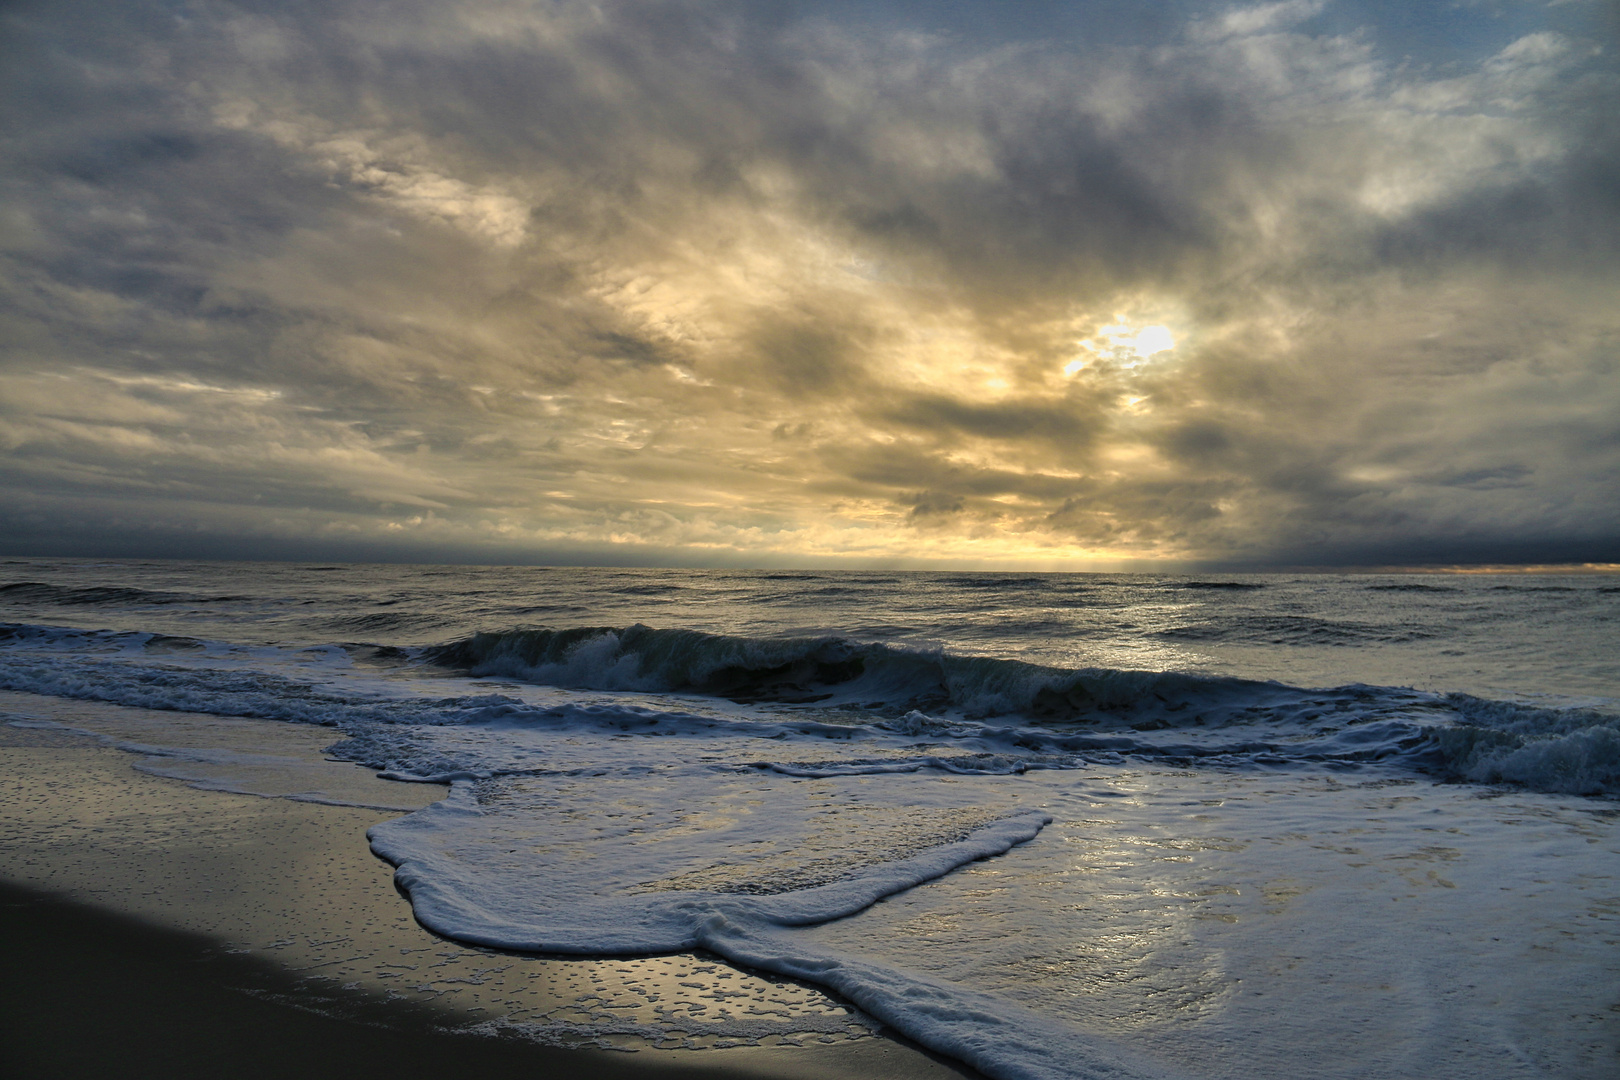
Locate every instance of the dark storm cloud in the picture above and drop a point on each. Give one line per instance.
(813, 281)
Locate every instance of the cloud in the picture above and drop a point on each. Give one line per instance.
(768, 283)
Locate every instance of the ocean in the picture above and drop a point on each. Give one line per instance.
(1051, 825)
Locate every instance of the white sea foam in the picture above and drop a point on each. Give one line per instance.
(990, 1034)
(545, 913)
(605, 906)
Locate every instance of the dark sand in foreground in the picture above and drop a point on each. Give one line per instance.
(152, 929)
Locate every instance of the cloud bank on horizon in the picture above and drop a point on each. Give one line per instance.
(1067, 285)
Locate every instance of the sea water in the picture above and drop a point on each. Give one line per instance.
(1051, 825)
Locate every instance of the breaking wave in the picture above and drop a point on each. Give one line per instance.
(1457, 736)
(835, 669)
(971, 714)
(1576, 751)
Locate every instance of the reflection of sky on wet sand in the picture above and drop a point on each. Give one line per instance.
(296, 885)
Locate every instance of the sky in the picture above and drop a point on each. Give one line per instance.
(1042, 285)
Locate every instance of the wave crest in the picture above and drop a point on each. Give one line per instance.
(1574, 751)
(820, 669)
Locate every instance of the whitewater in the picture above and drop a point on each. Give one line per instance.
(1051, 825)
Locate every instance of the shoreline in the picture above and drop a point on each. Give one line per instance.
(140, 914)
(95, 993)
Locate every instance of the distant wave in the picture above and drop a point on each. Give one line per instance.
(1291, 630)
(386, 622)
(1534, 588)
(995, 581)
(1234, 586)
(35, 592)
(1415, 586)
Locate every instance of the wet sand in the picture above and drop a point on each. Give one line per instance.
(152, 928)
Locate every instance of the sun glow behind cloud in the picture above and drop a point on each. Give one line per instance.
(1123, 345)
(685, 281)
(1152, 339)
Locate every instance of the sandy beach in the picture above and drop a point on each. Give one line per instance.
(152, 928)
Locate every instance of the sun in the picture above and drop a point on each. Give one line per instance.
(1126, 345)
(1153, 339)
